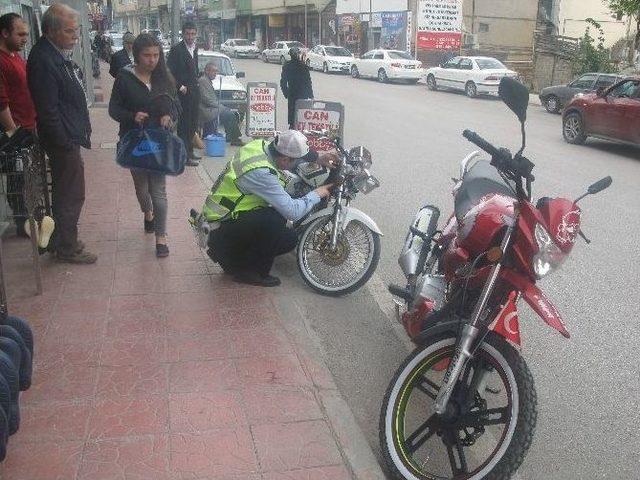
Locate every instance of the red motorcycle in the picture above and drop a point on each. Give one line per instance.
(463, 404)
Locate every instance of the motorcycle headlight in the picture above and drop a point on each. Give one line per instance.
(549, 256)
(239, 95)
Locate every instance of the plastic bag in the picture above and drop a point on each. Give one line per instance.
(153, 149)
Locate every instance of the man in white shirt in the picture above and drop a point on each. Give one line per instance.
(183, 64)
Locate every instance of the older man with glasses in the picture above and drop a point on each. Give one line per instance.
(62, 124)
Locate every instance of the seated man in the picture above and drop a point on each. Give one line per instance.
(211, 109)
(252, 206)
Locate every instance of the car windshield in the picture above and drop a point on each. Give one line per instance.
(242, 43)
(337, 52)
(222, 64)
(117, 41)
(294, 44)
(487, 63)
(400, 55)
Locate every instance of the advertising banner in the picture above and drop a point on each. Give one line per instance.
(319, 115)
(261, 109)
(439, 24)
(393, 35)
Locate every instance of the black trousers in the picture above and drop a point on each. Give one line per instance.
(252, 242)
(188, 121)
(67, 172)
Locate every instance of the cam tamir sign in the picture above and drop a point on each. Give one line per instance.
(318, 116)
(261, 109)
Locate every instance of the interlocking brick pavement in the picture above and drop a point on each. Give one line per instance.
(158, 369)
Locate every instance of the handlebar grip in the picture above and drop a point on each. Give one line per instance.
(476, 139)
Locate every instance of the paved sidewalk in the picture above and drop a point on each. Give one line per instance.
(159, 369)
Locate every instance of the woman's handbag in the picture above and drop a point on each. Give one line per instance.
(152, 149)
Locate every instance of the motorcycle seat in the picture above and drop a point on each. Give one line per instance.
(481, 180)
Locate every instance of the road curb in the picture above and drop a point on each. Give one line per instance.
(352, 443)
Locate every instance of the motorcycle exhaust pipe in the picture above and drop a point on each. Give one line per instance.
(399, 291)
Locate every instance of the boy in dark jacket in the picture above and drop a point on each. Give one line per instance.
(295, 82)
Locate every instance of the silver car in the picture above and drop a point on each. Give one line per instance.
(556, 97)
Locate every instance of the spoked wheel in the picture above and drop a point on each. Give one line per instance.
(341, 270)
(489, 424)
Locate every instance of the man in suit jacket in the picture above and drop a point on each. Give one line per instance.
(62, 123)
(123, 57)
(183, 64)
(211, 109)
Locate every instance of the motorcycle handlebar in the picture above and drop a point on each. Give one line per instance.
(501, 158)
(476, 139)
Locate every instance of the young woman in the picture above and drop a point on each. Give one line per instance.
(144, 94)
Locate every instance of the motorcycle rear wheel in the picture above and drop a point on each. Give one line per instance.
(448, 447)
(344, 270)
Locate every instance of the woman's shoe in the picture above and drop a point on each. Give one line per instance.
(150, 225)
(162, 250)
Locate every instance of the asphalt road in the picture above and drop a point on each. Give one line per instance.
(588, 386)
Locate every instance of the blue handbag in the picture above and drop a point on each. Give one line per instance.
(153, 149)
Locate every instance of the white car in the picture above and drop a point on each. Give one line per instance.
(233, 94)
(387, 65)
(330, 59)
(279, 51)
(473, 75)
(239, 47)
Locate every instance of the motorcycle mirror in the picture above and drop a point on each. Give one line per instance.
(600, 185)
(597, 187)
(515, 95)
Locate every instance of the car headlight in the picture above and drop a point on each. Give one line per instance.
(549, 256)
(239, 95)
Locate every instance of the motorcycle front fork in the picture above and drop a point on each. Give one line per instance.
(468, 339)
(335, 228)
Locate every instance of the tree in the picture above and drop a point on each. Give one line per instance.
(592, 56)
(632, 9)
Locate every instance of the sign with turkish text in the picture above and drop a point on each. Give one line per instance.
(261, 109)
(318, 115)
(439, 24)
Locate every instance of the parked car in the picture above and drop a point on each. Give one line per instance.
(279, 51)
(239, 47)
(387, 65)
(117, 42)
(330, 59)
(233, 94)
(556, 97)
(610, 113)
(473, 75)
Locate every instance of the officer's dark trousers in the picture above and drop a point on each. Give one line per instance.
(252, 242)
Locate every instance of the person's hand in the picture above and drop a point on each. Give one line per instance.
(324, 190)
(166, 122)
(329, 160)
(183, 89)
(141, 117)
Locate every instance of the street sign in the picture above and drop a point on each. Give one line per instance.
(320, 115)
(261, 109)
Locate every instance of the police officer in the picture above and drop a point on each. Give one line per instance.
(252, 206)
(295, 82)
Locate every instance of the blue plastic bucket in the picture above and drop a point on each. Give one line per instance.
(215, 145)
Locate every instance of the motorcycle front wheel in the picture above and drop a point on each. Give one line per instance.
(487, 428)
(341, 270)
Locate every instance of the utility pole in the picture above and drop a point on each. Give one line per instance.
(370, 28)
(175, 21)
(306, 41)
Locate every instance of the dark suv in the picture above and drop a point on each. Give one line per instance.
(611, 113)
(556, 97)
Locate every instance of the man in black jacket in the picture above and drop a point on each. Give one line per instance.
(62, 124)
(295, 82)
(123, 57)
(183, 64)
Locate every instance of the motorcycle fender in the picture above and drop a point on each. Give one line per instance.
(348, 215)
(536, 300)
(436, 330)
